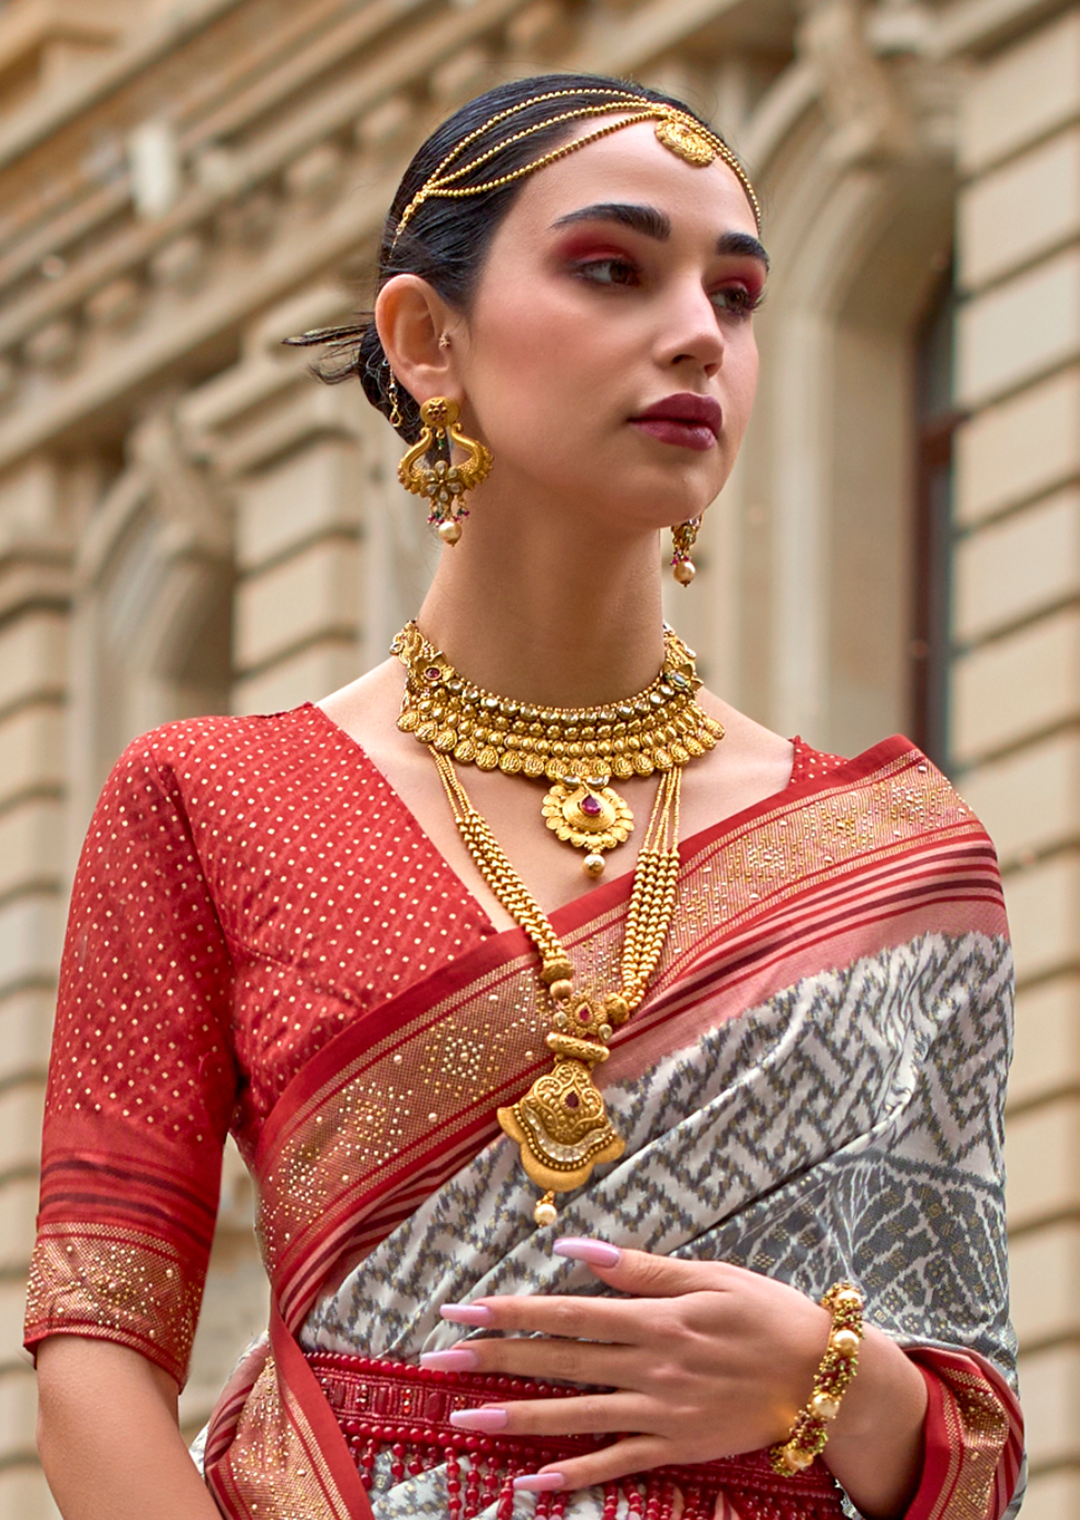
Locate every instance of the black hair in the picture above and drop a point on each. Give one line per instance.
(446, 240)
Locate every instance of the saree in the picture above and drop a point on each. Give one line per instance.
(811, 1089)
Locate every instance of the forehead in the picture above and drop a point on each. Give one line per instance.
(632, 164)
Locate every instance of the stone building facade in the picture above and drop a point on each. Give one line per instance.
(188, 524)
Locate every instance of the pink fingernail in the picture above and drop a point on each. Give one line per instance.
(460, 1359)
(466, 1314)
(597, 1253)
(538, 1483)
(479, 1419)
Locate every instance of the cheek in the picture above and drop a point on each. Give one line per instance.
(537, 380)
(534, 338)
(742, 369)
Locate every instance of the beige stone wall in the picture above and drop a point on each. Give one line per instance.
(35, 510)
(1017, 681)
(188, 524)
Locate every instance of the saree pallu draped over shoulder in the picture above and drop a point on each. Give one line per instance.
(811, 1089)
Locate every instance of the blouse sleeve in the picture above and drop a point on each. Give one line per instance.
(974, 1439)
(142, 1082)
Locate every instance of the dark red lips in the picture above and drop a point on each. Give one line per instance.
(685, 421)
(690, 409)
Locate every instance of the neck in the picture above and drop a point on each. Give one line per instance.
(520, 608)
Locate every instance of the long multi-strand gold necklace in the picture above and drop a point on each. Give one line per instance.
(578, 750)
(561, 1124)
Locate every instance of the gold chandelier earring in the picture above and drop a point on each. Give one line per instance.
(683, 539)
(428, 469)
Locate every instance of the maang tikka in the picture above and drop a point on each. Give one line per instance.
(443, 483)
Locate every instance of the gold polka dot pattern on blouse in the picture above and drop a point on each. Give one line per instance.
(249, 888)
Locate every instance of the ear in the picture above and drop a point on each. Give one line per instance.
(411, 317)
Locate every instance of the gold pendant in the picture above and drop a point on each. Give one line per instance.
(588, 815)
(561, 1124)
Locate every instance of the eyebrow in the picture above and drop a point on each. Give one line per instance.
(744, 244)
(643, 219)
(657, 225)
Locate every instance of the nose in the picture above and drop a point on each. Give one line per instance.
(690, 333)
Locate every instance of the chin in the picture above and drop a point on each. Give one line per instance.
(660, 501)
(644, 492)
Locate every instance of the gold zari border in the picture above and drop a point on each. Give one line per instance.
(118, 1284)
(978, 1429)
(402, 1091)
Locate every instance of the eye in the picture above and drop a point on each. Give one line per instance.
(613, 270)
(737, 300)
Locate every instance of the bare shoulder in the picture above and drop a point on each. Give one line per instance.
(749, 765)
(367, 708)
(750, 744)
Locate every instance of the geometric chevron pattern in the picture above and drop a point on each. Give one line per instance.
(850, 1126)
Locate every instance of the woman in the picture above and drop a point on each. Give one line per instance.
(676, 1121)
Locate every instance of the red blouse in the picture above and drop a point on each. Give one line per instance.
(246, 885)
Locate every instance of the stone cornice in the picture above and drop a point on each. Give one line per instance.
(220, 109)
(628, 41)
(47, 115)
(287, 174)
(979, 26)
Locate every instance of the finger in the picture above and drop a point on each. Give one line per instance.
(595, 1319)
(635, 1454)
(581, 1414)
(570, 1361)
(643, 1274)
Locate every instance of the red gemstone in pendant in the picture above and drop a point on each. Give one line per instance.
(572, 1100)
(590, 806)
(433, 673)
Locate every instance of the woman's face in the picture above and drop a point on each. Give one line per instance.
(609, 358)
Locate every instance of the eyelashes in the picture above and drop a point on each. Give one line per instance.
(612, 270)
(615, 271)
(744, 300)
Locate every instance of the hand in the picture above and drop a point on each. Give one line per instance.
(704, 1359)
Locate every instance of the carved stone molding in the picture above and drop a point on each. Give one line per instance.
(858, 93)
(165, 478)
(288, 151)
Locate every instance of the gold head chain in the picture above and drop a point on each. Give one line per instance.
(679, 132)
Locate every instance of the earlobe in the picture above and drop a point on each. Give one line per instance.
(411, 319)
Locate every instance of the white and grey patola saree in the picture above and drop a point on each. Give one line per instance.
(813, 1090)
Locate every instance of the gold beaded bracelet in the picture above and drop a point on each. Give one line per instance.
(807, 1437)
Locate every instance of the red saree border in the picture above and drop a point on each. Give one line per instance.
(974, 1442)
(457, 978)
(799, 952)
(904, 820)
(884, 817)
(286, 1455)
(510, 947)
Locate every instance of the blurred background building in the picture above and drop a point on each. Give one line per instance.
(188, 524)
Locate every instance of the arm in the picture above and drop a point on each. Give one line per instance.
(875, 1448)
(108, 1436)
(142, 1083)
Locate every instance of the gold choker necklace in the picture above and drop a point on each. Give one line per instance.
(577, 749)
